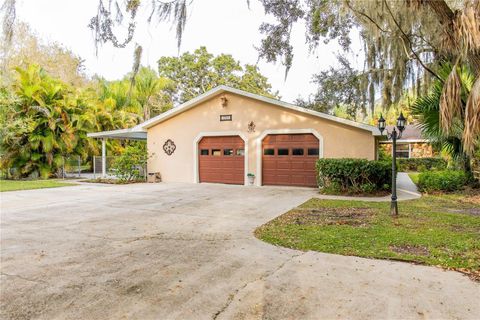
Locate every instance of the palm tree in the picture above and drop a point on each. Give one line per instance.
(447, 131)
(148, 92)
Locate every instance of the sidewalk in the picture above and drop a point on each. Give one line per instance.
(406, 190)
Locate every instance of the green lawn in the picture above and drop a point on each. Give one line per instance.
(414, 176)
(441, 230)
(12, 185)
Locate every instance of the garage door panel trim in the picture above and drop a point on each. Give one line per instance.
(201, 135)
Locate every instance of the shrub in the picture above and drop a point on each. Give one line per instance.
(129, 166)
(446, 180)
(421, 164)
(353, 175)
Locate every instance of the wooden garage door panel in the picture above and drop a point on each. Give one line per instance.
(297, 170)
(299, 165)
(221, 168)
(283, 164)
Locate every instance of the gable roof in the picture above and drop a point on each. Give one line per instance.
(412, 133)
(221, 89)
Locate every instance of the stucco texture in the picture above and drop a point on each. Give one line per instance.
(184, 129)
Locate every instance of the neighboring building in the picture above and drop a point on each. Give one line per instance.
(411, 145)
(225, 133)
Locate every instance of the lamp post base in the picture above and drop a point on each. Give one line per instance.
(394, 208)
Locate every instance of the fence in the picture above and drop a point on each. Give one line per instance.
(91, 168)
(76, 167)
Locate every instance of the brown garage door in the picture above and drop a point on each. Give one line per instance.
(222, 160)
(289, 160)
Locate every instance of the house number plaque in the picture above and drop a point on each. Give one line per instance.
(225, 117)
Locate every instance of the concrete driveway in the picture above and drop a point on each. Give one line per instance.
(185, 251)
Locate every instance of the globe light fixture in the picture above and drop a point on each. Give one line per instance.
(394, 135)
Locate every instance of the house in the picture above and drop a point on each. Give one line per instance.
(225, 133)
(411, 145)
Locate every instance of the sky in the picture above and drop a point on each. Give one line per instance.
(222, 26)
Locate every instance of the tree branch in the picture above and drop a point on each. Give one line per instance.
(406, 38)
(363, 14)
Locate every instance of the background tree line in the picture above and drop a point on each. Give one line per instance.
(48, 104)
(408, 46)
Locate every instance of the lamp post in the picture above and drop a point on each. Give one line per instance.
(394, 135)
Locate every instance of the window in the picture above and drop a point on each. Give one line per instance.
(282, 152)
(403, 151)
(297, 152)
(268, 152)
(228, 152)
(216, 152)
(312, 151)
(204, 152)
(240, 152)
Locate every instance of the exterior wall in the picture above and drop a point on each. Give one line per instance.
(421, 150)
(339, 140)
(417, 150)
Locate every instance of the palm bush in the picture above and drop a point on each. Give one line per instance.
(426, 110)
(43, 120)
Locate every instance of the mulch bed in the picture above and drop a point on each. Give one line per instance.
(112, 181)
(328, 216)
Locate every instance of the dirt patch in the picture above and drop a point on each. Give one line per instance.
(475, 199)
(374, 194)
(329, 216)
(470, 211)
(407, 249)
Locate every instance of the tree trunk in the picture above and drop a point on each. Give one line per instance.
(467, 165)
(446, 17)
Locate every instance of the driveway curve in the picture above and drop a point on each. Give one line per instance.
(186, 251)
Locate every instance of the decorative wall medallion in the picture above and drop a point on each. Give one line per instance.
(251, 126)
(169, 147)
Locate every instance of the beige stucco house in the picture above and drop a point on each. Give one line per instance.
(226, 134)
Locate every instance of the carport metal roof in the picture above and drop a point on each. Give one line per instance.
(134, 133)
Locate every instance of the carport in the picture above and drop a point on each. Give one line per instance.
(134, 133)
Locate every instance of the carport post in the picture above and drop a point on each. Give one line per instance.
(104, 157)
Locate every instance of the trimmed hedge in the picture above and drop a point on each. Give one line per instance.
(421, 164)
(447, 180)
(353, 175)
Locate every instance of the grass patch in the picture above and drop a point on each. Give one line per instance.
(14, 185)
(414, 176)
(439, 230)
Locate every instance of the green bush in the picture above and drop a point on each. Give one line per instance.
(129, 166)
(421, 164)
(353, 175)
(446, 180)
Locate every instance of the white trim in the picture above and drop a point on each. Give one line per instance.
(196, 177)
(104, 158)
(220, 89)
(282, 131)
(134, 133)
